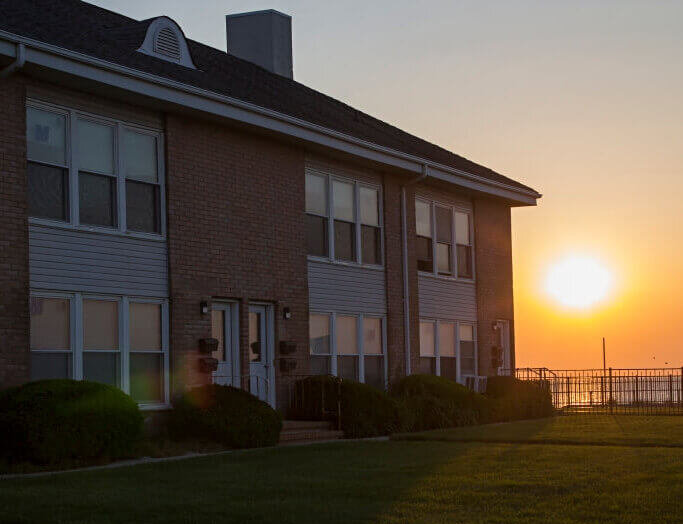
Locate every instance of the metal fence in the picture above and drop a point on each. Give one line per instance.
(621, 391)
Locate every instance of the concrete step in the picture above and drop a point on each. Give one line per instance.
(292, 436)
(297, 425)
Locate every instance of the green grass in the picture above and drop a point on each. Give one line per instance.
(572, 429)
(381, 482)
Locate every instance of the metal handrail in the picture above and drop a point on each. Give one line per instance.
(299, 394)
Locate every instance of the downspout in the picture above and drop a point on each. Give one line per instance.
(406, 286)
(18, 63)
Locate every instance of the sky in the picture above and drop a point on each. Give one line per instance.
(581, 100)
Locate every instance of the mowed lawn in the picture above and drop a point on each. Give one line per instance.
(626, 430)
(383, 482)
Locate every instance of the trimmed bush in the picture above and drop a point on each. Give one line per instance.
(365, 411)
(431, 402)
(229, 416)
(513, 399)
(53, 421)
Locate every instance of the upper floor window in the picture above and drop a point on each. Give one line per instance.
(443, 241)
(343, 220)
(92, 172)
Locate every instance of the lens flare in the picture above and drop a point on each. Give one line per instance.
(579, 282)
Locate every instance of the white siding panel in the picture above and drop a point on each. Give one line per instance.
(447, 299)
(67, 260)
(346, 289)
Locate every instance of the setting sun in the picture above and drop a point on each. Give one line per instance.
(578, 282)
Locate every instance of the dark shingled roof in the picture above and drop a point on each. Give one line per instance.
(98, 32)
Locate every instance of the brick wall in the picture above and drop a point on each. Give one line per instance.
(235, 231)
(493, 258)
(14, 289)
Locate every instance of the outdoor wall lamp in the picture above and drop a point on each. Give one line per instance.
(204, 307)
(286, 313)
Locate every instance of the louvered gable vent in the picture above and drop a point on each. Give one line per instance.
(165, 40)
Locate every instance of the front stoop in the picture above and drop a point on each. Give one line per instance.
(296, 431)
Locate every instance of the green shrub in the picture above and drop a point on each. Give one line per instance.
(430, 402)
(513, 399)
(232, 417)
(365, 410)
(52, 421)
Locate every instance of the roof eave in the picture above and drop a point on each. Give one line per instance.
(84, 66)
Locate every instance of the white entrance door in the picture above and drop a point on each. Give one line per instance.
(261, 349)
(504, 344)
(224, 327)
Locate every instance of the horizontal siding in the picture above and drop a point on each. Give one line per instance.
(67, 260)
(346, 289)
(447, 299)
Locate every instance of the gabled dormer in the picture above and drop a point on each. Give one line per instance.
(165, 40)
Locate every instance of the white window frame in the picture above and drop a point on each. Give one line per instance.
(332, 315)
(435, 322)
(433, 204)
(330, 178)
(123, 302)
(73, 213)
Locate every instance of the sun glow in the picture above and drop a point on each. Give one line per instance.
(579, 282)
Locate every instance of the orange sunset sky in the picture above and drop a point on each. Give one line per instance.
(581, 100)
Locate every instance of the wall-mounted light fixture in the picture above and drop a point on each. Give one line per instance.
(286, 313)
(204, 307)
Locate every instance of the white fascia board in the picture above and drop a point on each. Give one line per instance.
(134, 81)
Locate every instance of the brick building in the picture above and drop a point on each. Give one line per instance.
(157, 194)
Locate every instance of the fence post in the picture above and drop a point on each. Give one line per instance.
(611, 399)
(680, 391)
(671, 390)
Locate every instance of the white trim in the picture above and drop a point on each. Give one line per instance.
(141, 83)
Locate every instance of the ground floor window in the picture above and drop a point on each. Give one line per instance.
(447, 349)
(117, 340)
(348, 346)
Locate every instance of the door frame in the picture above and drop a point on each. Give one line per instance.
(268, 311)
(231, 336)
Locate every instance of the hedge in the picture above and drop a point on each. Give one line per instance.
(365, 410)
(53, 421)
(431, 402)
(229, 416)
(513, 399)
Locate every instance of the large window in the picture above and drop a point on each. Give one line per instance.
(343, 220)
(443, 235)
(93, 172)
(447, 349)
(356, 351)
(115, 340)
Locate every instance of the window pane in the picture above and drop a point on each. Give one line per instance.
(47, 192)
(344, 240)
(100, 324)
(374, 372)
(444, 225)
(371, 245)
(464, 261)
(462, 228)
(443, 259)
(50, 323)
(466, 332)
(102, 367)
(97, 199)
(139, 156)
(427, 339)
(317, 235)
(467, 358)
(423, 248)
(320, 365)
(427, 365)
(218, 332)
(319, 334)
(369, 208)
(255, 342)
(146, 377)
(447, 340)
(316, 194)
(423, 218)
(346, 329)
(145, 326)
(45, 136)
(50, 365)
(343, 201)
(347, 367)
(372, 336)
(449, 368)
(95, 147)
(142, 207)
